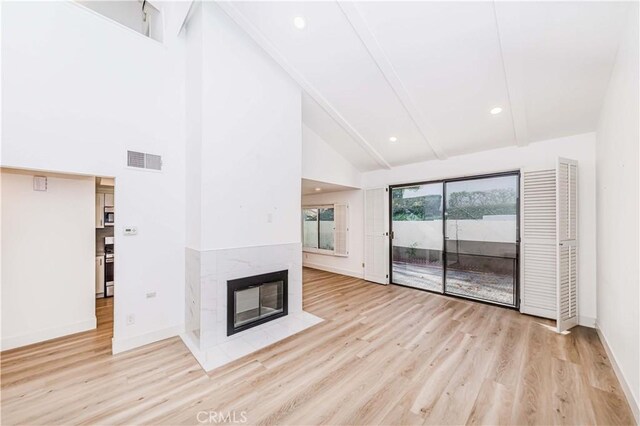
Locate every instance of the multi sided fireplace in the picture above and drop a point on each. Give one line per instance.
(252, 301)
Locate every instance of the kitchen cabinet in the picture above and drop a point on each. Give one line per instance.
(108, 200)
(99, 210)
(100, 275)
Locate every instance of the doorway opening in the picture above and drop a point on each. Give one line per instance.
(105, 282)
(458, 237)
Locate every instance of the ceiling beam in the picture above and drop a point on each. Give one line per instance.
(361, 27)
(268, 47)
(509, 40)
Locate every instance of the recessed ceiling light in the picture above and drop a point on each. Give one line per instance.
(393, 139)
(299, 22)
(496, 110)
(318, 189)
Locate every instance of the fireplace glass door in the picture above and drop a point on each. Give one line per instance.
(256, 300)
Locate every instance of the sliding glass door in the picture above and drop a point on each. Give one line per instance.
(458, 237)
(416, 250)
(481, 235)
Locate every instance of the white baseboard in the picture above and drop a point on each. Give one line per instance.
(199, 355)
(334, 270)
(47, 334)
(587, 321)
(616, 368)
(122, 345)
(537, 312)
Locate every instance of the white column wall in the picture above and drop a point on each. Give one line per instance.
(244, 163)
(617, 214)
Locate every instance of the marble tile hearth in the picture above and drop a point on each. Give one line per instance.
(207, 273)
(244, 343)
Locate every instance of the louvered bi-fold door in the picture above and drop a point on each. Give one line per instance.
(538, 260)
(567, 244)
(341, 229)
(376, 234)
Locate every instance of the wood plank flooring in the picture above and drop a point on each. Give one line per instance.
(384, 355)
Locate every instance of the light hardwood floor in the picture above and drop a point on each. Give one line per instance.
(384, 355)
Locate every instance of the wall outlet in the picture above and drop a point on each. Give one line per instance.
(130, 230)
(131, 319)
(151, 295)
(39, 183)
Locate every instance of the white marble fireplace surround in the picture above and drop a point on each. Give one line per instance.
(207, 273)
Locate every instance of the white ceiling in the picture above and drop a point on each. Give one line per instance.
(429, 72)
(316, 187)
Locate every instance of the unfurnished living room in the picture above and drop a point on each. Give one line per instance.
(319, 212)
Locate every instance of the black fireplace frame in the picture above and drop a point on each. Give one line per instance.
(254, 281)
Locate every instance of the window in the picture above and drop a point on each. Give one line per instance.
(318, 228)
(325, 229)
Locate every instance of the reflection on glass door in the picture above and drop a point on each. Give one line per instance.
(481, 235)
(417, 241)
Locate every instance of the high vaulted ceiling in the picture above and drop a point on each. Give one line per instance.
(428, 73)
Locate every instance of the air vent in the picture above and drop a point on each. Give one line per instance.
(153, 162)
(143, 160)
(135, 159)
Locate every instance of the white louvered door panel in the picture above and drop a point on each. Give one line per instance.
(567, 244)
(376, 244)
(341, 229)
(538, 260)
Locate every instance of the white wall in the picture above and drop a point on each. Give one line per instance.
(539, 154)
(352, 264)
(322, 163)
(617, 213)
(193, 131)
(250, 142)
(48, 257)
(78, 91)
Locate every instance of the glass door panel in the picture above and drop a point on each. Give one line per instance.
(481, 231)
(417, 240)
